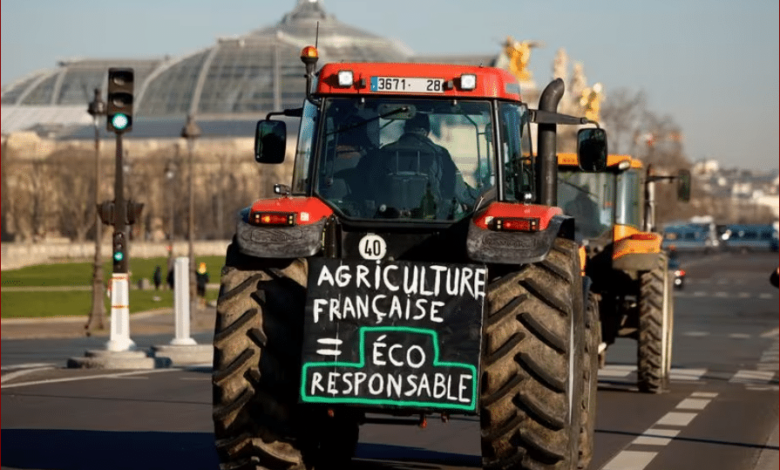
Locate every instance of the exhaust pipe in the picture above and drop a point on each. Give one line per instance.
(547, 156)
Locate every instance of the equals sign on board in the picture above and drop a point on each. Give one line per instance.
(334, 343)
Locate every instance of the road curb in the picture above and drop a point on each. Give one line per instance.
(82, 318)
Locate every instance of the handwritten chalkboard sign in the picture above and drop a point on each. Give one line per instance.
(393, 334)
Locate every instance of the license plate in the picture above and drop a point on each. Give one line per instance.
(407, 85)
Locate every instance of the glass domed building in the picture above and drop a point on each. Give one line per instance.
(236, 79)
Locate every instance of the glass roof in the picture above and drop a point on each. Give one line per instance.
(246, 75)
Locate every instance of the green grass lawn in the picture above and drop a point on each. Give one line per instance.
(80, 274)
(29, 304)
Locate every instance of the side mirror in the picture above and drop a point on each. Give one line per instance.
(270, 141)
(684, 185)
(592, 149)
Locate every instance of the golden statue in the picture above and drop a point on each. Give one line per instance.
(519, 54)
(590, 100)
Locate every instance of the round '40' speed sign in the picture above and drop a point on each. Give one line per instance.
(372, 246)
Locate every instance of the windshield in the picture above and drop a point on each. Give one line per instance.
(589, 198)
(405, 158)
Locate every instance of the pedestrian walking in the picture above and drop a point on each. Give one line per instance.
(157, 277)
(202, 278)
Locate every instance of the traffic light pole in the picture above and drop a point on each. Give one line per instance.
(120, 282)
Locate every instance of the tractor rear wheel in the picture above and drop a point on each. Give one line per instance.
(654, 335)
(258, 423)
(531, 389)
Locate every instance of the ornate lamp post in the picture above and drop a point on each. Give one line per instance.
(96, 109)
(191, 131)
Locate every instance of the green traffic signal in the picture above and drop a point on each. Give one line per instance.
(118, 256)
(120, 121)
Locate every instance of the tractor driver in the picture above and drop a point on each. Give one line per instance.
(584, 211)
(446, 182)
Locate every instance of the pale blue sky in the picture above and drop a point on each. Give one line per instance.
(712, 65)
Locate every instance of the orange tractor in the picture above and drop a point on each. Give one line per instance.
(631, 285)
(417, 265)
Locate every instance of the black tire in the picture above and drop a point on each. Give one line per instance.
(530, 386)
(669, 312)
(258, 423)
(590, 370)
(653, 361)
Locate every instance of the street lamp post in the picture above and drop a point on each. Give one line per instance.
(170, 174)
(97, 315)
(191, 131)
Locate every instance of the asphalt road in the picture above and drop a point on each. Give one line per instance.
(721, 412)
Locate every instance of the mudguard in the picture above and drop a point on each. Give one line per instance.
(278, 242)
(636, 262)
(489, 246)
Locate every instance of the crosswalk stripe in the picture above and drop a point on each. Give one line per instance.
(630, 460)
(771, 333)
(656, 437)
(753, 377)
(686, 374)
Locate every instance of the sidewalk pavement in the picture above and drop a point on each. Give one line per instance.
(152, 322)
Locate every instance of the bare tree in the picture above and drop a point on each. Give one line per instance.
(623, 115)
(74, 183)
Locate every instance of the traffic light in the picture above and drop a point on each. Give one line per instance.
(133, 212)
(119, 111)
(106, 212)
(120, 252)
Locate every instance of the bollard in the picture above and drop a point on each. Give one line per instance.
(181, 302)
(119, 339)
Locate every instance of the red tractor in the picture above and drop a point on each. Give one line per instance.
(417, 265)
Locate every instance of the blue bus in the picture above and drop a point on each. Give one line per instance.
(750, 237)
(691, 237)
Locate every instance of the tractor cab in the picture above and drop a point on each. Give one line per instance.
(413, 142)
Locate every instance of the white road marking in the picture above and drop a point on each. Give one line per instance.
(674, 418)
(721, 294)
(754, 377)
(27, 366)
(686, 374)
(19, 373)
(89, 377)
(693, 404)
(704, 394)
(630, 460)
(771, 333)
(696, 333)
(699, 293)
(739, 335)
(743, 295)
(768, 366)
(765, 296)
(656, 437)
(769, 356)
(616, 371)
